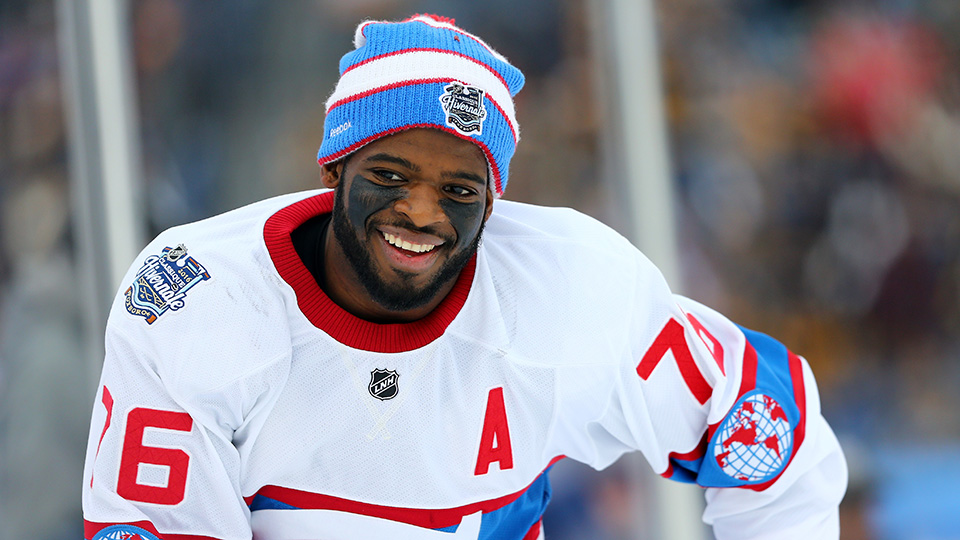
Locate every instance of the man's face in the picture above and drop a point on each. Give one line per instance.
(408, 215)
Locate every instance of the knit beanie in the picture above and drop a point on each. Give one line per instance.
(423, 72)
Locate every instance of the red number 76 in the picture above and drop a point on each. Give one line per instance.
(672, 339)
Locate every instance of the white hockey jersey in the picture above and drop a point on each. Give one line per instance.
(237, 400)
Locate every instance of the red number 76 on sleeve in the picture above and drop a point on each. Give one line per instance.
(672, 339)
(134, 453)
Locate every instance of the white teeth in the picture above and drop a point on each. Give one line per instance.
(405, 245)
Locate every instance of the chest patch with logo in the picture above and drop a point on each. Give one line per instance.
(162, 283)
(383, 384)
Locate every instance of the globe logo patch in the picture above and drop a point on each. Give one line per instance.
(463, 105)
(124, 532)
(753, 443)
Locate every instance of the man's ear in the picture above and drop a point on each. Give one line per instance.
(331, 173)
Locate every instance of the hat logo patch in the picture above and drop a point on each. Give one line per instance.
(464, 108)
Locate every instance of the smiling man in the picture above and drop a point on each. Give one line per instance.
(406, 221)
(405, 355)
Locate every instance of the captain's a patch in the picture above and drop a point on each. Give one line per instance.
(162, 283)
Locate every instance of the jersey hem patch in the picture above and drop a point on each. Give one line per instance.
(124, 532)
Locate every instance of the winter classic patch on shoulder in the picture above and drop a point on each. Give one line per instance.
(162, 283)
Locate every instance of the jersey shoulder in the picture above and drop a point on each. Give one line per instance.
(204, 301)
(512, 221)
(571, 248)
(565, 285)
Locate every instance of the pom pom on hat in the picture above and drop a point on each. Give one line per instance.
(424, 72)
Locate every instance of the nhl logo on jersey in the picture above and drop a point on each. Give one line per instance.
(162, 283)
(463, 106)
(383, 384)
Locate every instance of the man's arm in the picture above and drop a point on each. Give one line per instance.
(739, 414)
(156, 465)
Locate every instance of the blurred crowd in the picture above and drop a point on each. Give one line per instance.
(816, 157)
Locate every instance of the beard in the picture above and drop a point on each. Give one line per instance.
(399, 296)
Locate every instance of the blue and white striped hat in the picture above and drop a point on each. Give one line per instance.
(423, 72)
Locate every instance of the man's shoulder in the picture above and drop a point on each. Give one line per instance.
(236, 240)
(252, 214)
(208, 288)
(558, 225)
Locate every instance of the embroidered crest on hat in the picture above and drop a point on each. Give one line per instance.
(463, 105)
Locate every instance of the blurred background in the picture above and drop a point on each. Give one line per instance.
(814, 150)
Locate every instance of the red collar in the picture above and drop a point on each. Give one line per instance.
(334, 320)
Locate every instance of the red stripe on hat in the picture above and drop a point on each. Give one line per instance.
(434, 16)
(435, 50)
(414, 82)
(498, 187)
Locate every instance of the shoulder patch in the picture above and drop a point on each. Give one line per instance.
(162, 282)
(754, 442)
(124, 532)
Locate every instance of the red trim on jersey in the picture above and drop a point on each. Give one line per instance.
(90, 529)
(715, 347)
(497, 184)
(107, 399)
(326, 315)
(748, 379)
(800, 394)
(421, 517)
(698, 452)
(534, 531)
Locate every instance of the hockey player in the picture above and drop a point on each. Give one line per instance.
(354, 362)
